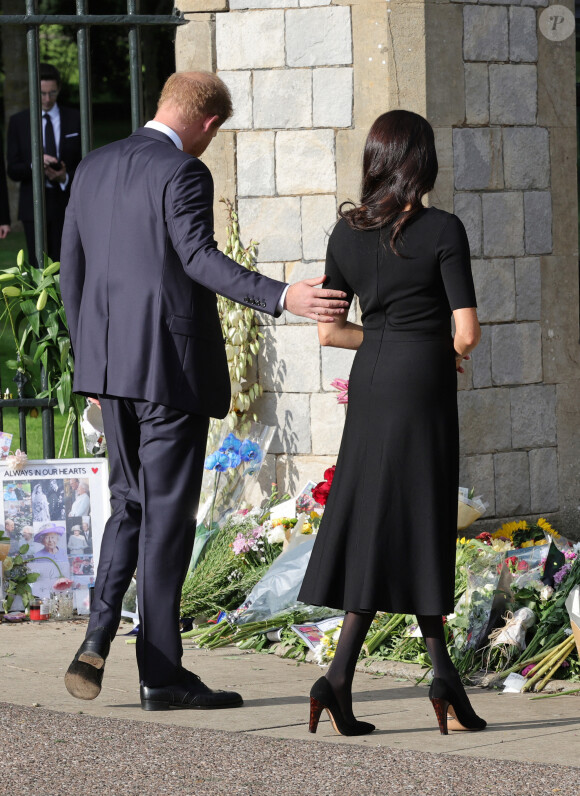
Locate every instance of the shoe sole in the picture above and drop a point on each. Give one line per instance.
(152, 705)
(80, 680)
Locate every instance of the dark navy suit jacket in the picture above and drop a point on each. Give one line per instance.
(139, 272)
(19, 155)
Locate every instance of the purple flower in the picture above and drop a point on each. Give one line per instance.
(240, 545)
(250, 451)
(561, 574)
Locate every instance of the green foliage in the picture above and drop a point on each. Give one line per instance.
(35, 314)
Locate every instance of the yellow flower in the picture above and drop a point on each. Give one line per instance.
(463, 540)
(529, 543)
(307, 528)
(545, 526)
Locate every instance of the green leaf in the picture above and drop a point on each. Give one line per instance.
(33, 577)
(11, 364)
(8, 564)
(40, 350)
(23, 548)
(28, 307)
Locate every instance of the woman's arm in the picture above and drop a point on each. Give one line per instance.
(340, 334)
(467, 334)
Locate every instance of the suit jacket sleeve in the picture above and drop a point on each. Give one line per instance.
(189, 217)
(4, 205)
(19, 166)
(72, 271)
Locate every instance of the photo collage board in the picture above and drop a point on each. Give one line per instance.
(59, 508)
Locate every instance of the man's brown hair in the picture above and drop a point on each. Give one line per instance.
(197, 94)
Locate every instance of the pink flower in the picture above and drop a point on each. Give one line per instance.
(62, 584)
(527, 670)
(240, 545)
(523, 566)
(342, 386)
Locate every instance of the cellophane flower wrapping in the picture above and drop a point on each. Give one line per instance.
(232, 466)
(468, 509)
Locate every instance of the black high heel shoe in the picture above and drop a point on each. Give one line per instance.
(322, 697)
(453, 709)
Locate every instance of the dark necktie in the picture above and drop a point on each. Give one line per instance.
(49, 140)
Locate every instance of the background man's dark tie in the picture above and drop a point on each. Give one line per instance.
(49, 140)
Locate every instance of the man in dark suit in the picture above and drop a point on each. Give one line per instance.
(62, 154)
(139, 272)
(4, 205)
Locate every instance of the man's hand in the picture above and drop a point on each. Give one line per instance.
(55, 170)
(4, 230)
(319, 304)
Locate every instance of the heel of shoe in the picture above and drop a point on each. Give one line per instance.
(92, 658)
(316, 708)
(440, 707)
(155, 704)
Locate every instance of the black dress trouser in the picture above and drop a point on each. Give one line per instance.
(156, 457)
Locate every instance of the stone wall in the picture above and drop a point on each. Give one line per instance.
(308, 77)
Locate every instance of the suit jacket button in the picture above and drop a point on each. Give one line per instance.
(262, 304)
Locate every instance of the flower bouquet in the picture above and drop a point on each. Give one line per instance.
(230, 470)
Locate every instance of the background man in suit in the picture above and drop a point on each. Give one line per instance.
(4, 205)
(139, 272)
(62, 154)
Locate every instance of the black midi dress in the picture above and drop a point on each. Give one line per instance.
(388, 535)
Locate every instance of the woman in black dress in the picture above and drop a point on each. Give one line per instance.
(388, 535)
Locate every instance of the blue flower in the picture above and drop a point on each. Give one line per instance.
(230, 444)
(234, 459)
(250, 451)
(217, 461)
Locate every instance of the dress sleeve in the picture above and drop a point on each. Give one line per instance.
(334, 277)
(452, 251)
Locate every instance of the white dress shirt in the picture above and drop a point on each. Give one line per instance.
(163, 128)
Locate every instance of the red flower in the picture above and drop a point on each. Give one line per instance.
(523, 566)
(62, 584)
(485, 537)
(321, 490)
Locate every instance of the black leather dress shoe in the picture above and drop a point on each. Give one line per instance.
(85, 674)
(190, 694)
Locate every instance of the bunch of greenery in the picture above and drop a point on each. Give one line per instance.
(18, 578)
(35, 314)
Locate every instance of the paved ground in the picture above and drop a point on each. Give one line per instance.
(53, 744)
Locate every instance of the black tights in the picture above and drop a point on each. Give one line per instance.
(354, 630)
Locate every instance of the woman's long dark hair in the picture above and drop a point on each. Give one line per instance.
(399, 167)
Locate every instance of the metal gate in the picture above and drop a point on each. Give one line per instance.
(83, 21)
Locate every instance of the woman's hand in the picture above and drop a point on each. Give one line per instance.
(467, 334)
(458, 360)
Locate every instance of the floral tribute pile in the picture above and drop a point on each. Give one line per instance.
(511, 588)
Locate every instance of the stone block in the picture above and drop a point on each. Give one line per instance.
(236, 5)
(484, 421)
(293, 472)
(556, 86)
(476, 93)
(503, 224)
(274, 271)
(477, 158)
(318, 220)
(528, 289)
(513, 93)
(512, 484)
(544, 480)
(523, 36)
(336, 364)
(533, 411)
(526, 156)
(495, 289)
(443, 38)
(349, 153)
(535, 3)
(560, 349)
(516, 353)
(481, 360)
(194, 44)
(467, 206)
(465, 379)
(240, 86)
(275, 223)
(371, 32)
(568, 409)
(477, 472)
(563, 180)
(289, 413)
(253, 40)
(327, 421)
(332, 95)
(280, 369)
(307, 3)
(318, 36)
(296, 272)
(220, 158)
(195, 6)
(485, 33)
(283, 98)
(255, 161)
(538, 221)
(305, 162)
